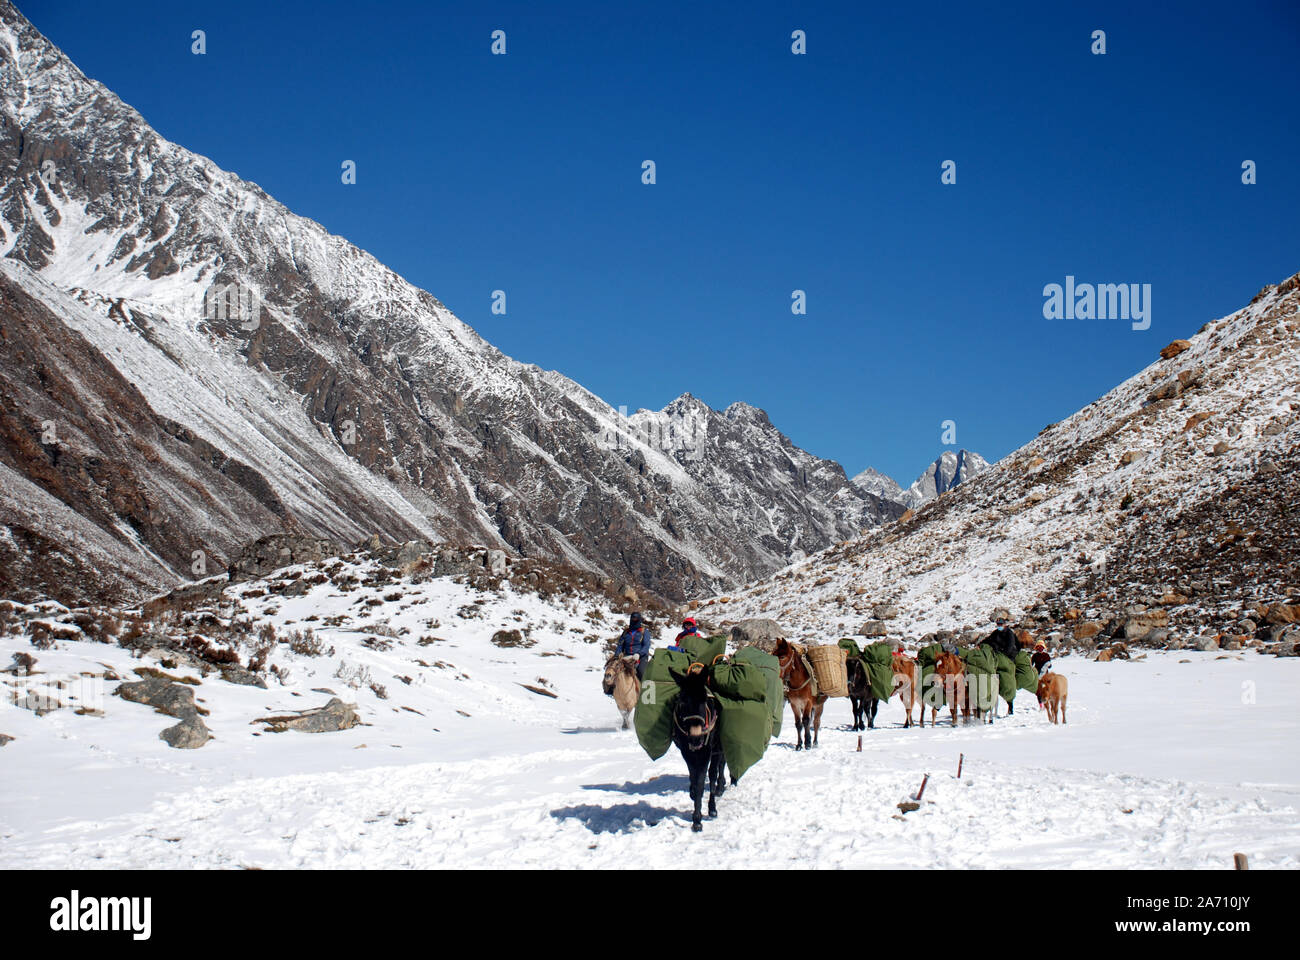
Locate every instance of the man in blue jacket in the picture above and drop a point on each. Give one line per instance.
(635, 642)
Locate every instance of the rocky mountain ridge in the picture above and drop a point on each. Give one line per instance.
(246, 373)
(1163, 512)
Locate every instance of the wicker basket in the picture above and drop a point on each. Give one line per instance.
(828, 664)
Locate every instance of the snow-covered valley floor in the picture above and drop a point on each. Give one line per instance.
(1176, 760)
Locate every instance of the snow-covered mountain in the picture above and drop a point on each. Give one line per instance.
(874, 482)
(190, 365)
(1167, 504)
(950, 469)
(946, 472)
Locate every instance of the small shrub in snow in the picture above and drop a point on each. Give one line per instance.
(511, 638)
(379, 690)
(42, 639)
(355, 676)
(211, 654)
(377, 643)
(306, 643)
(22, 664)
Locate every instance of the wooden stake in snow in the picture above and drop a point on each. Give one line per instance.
(859, 743)
(961, 758)
(1239, 859)
(922, 790)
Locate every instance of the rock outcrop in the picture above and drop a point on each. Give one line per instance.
(174, 700)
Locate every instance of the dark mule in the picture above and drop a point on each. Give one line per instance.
(695, 731)
(797, 677)
(863, 703)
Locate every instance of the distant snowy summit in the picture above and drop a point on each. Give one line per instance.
(948, 471)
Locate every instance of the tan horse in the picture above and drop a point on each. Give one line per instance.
(622, 684)
(797, 678)
(1053, 690)
(950, 674)
(907, 683)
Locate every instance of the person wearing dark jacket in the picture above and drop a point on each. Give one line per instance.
(1003, 640)
(635, 642)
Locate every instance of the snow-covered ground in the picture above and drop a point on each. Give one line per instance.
(1175, 760)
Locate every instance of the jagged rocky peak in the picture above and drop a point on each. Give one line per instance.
(950, 469)
(742, 412)
(877, 483)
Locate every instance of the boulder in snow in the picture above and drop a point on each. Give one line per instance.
(761, 633)
(335, 715)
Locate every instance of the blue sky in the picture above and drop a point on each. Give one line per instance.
(775, 172)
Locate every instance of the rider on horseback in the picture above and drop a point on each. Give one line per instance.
(635, 642)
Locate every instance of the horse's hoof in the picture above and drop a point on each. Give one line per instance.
(696, 827)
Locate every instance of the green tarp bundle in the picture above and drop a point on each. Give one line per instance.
(705, 649)
(1006, 677)
(1026, 675)
(747, 688)
(771, 667)
(653, 718)
(851, 645)
(878, 658)
(740, 681)
(981, 676)
(932, 694)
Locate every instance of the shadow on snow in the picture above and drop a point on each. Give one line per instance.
(620, 818)
(655, 786)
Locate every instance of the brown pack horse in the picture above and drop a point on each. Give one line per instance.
(622, 684)
(797, 677)
(949, 677)
(907, 684)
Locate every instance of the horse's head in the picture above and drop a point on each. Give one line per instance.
(613, 667)
(696, 712)
(785, 656)
(949, 664)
